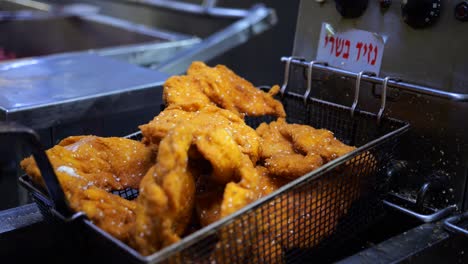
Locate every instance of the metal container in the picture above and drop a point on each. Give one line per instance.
(320, 210)
(164, 32)
(80, 28)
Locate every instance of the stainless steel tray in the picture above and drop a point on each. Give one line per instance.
(45, 92)
(33, 28)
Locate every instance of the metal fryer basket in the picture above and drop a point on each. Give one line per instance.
(313, 214)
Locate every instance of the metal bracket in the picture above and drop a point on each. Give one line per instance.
(451, 224)
(356, 91)
(404, 86)
(287, 71)
(383, 98)
(425, 218)
(309, 78)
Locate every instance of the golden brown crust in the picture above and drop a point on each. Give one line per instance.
(89, 166)
(219, 86)
(292, 150)
(109, 163)
(214, 133)
(166, 195)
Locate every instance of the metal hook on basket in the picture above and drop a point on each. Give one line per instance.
(383, 99)
(310, 66)
(287, 70)
(286, 75)
(358, 86)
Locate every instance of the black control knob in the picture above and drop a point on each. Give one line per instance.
(420, 13)
(351, 8)
(461, 11)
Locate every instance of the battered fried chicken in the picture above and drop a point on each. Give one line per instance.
(268, 182)
(168, 190)
(289, 151)
(307, 139)
(108, 163)
(220, 86)
(292, 150)
(315, 210)
(87, 167)
(110, 212)
(205, 118)
(157, 129)
(245, 238)
(166, 194)
(209, 197)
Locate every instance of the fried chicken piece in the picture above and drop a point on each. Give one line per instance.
(268, 182)
(254, 242)
(168, 190)
(84, 164)
(230, 168)
(222, 201)
(110, 212)
(89, 166)
(307, 139)
(166, 194)
(292, 150)
(206, 118)
(289, 151)
(157, 129)
(237, 195)
(108, 163)
(185, 92)
(280, 156)
(315, 210)
(298, 220)
(209, 197)
(220, 86)
(232, 149)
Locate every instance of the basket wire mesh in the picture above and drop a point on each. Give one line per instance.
(311, 216)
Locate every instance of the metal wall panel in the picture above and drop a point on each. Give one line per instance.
(433, 56)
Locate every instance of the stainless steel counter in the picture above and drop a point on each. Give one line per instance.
(45, 92)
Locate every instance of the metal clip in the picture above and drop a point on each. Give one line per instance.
(309, 78)
(287, 70)
(383, 99)
(451, 224)
(356, 91)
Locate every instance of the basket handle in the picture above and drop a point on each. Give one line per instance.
(31, 138)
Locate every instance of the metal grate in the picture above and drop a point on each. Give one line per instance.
(316, 214)
(128, 193)
(311, 216)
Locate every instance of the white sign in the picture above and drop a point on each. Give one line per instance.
(353, 50)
